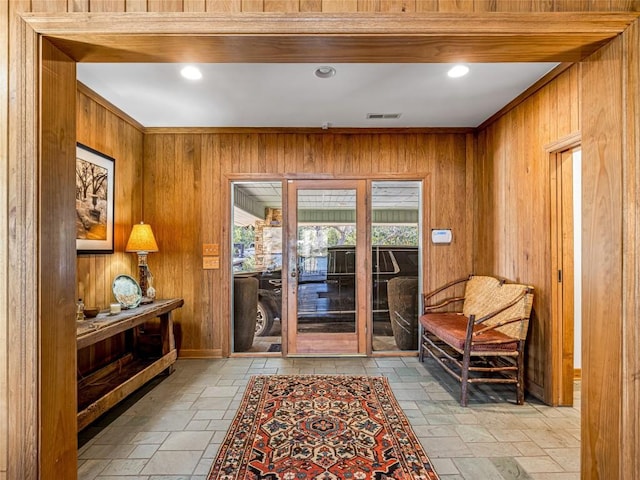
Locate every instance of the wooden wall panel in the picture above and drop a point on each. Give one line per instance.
(334, 6)
(631, 254)
(4, 254)
(512, 223)
(103, 128)
(281, 5)
(107, 6)
(56, 265)
(107, 132)
(186, 176)
(602, 306)
(342, 6)
(21, 161)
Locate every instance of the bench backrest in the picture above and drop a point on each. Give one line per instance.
(484, 295)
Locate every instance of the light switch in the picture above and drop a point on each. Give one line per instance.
(211, 263)
(210, 249)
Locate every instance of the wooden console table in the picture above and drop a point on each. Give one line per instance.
(106, 387)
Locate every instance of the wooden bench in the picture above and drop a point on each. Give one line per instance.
(484, 341)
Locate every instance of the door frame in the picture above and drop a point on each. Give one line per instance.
(562, 274)
(312, 344)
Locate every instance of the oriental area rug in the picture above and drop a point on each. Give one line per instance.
(325, 427)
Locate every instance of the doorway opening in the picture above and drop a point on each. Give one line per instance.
(338, 273)
(566, 248)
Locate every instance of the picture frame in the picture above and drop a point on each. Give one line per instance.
(95, 181)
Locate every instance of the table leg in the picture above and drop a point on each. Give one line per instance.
(168, 339)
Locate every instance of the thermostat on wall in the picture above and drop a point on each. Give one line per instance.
(440, 236)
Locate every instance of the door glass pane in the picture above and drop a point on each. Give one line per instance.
(326, 255)
(257, 266)
(395, 234)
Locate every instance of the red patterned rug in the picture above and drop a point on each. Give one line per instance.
(303, 427)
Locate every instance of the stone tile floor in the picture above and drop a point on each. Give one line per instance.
(171, 429)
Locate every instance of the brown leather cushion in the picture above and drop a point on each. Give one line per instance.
(452, 329)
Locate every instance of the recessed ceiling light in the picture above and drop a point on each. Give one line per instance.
(191, 72)
(458, 71)
(325, 72)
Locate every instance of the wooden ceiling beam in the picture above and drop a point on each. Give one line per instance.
(357, 38)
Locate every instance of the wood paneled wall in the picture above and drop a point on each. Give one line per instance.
(105, 129)
(329, 6)
(4, 245)
(186, 200)
(513, 202)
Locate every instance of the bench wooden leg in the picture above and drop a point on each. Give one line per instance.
(520, 384)
(464, 379)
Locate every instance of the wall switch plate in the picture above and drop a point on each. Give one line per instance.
(211, 263)
(210, 249)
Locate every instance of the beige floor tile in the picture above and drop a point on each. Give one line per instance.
(90, 469)
(493, 449)
(150, 437)
(477, 468)
(124, 467)
(172, 463)
(539, 464)
(187, 441)
(555, 476)
(119, 477)
(144, 451)
(474, 433)
(567, 458)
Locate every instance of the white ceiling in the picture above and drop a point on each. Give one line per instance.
(290, 95)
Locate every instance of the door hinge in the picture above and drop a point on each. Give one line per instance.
(559, 276)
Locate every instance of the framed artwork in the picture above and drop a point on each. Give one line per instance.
(95, 176)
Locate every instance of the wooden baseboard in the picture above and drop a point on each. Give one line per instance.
(192, 353)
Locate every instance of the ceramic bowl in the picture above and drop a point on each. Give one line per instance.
(91, 312)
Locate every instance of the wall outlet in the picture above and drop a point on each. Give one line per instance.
(210, 249)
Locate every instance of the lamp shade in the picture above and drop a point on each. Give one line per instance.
(141, 239)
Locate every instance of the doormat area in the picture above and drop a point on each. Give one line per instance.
(320, 426)
(275, 347)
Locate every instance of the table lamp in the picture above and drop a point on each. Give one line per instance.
(143, 242)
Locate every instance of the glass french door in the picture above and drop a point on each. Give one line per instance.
(327, 286)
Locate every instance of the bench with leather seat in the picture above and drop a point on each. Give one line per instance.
(484, 341)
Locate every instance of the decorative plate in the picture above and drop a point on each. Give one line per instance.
(127, 291)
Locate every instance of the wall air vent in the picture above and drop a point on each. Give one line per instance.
(383, 116)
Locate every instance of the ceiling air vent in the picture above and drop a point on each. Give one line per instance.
(383, 116)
